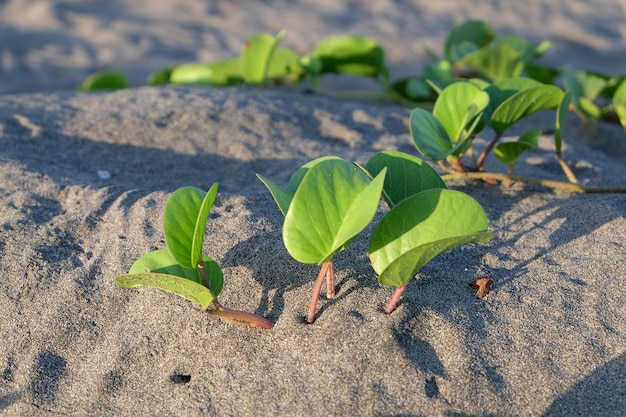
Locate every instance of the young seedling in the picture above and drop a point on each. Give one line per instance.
(182, 268)
(425, 219)
(326, 204)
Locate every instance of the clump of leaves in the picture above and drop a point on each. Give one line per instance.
(474, 50)
(596, 96)
(326, 204)
(182, 268)
(464, 108)
(425, 220)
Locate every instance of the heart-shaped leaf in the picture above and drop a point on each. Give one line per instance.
(501, 91)
(524, 103)
(421, 227)
(282, 196)
(406, 175)
(285, 63)
(334, 202)
(160, 261)
(457, 105)
(509, 152)
(184, 223)
(190, 290)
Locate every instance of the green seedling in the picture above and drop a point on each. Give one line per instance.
(182, 269)
(426, 219)
(326, 204)
(619, 102)
(108, 80)
(464, 108)
(222, 73)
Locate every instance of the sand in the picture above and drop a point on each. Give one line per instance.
(548, 340)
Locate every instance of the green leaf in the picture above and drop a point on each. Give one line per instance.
(421, 227)
(108, 80)
(619, 102)
(334, 202)
(542, 73)
(457, 105)
(502, 90)
(496, 61)
(282, 196)
(160, 261)
(474, 33)
(184, 223)
(285, 63)
(525, 103)
(561, 114)
(584, 84)
(160, 77)
(509, 152)
(357, 55)
(429, 135)
(406, 175)
(256, 56)
(221, 73)
(185, 288)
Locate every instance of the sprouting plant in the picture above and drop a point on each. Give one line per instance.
(182, 268)
(425, 220)
(326, 204)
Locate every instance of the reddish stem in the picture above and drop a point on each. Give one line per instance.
(310, 318)
(330, 281)
(242, 318)
(394, 299)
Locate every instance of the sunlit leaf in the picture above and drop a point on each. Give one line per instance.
(421, 227)
(496, 62)
(256, 56)
(525, 103)
(190, 290)
(332, 205)
(406, 175)
(184, 223)
(457, 105)
(285, 63)
(282, 196)
(160, 261)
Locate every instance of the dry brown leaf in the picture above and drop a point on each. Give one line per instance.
(483, 285)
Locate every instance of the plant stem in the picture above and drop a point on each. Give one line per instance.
(568, 172)
(205, 279)
(394, 299)
(240, 318)
(576, 188)
(330, 281)
(483, 155)
(310, 318)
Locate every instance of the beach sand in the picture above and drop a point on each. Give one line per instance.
(548, 340)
